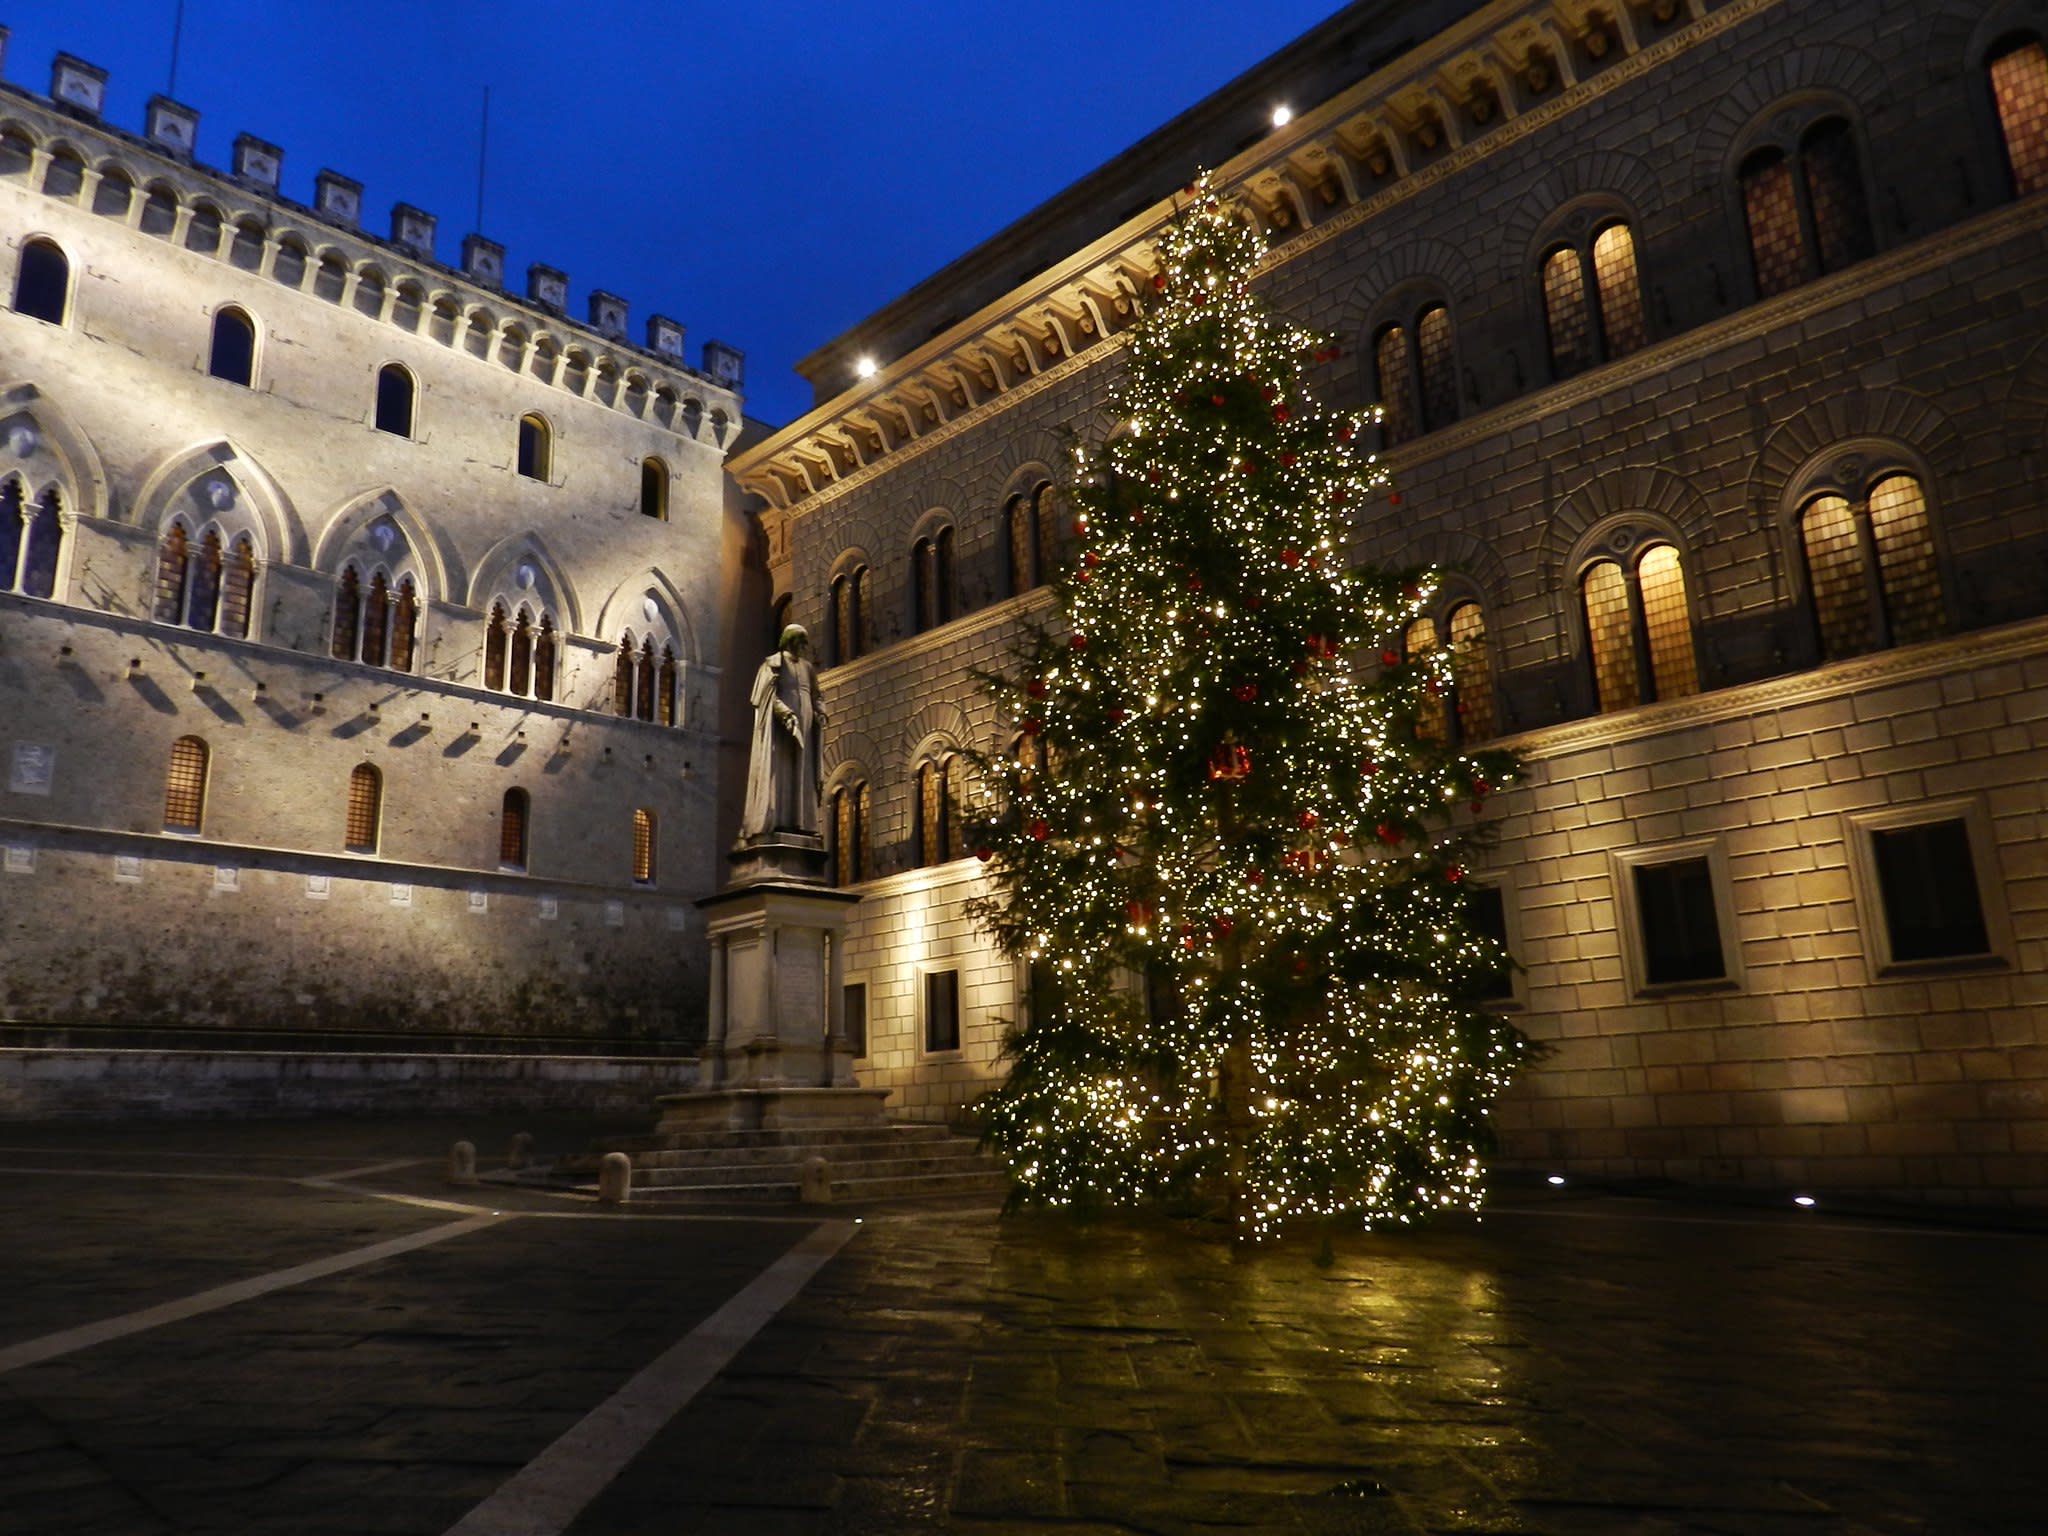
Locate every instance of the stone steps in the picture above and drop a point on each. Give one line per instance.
(782, 1170)
(927, 1186)
(902, 1161)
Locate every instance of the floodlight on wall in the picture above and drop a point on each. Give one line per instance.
(1282, 116)
(865, 367)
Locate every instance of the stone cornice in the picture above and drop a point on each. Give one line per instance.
(894, 653)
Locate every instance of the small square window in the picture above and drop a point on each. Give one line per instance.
(1927, 892)
(855, 1018)
(1677, 916)
(942, 1011)
(1928, 884)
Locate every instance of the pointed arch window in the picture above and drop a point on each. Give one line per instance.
(396, 397)
(1593, 300)
(1639, 629)
(514, 813)
(12, 529)
(40, 533)
(521, 679)
(520, 651)
(643, 846)
(536, 447)
(849, 602)
(405, 622)
(204, 585)
(170, 576)
(934, 810)
(1871, 568)
(495, 638)
(644, 683)
(238, 589)
(185, 785)
(233, 354)
(665, 688)
(42, 282)
(202, 608)
(654, 489)
(365, 811)
(2018, 71)
(849, 822)
(1804, 204)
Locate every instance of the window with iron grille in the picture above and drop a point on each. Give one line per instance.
(512, 829)
(365, 809)
(185, 785)
(643, 847)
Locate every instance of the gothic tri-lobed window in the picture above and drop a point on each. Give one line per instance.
(1804, 205)
(365, 812)
(1593, 300)
(203, 586)
(848, 818)
(521, 652)
(31, 537)
(644, 682)
(375, 621)
(2018, 69)
(1871, 569)
(1639, 629)
(185, 785)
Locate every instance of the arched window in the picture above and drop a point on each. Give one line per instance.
(544, 659)
(1593, 300)
(1638, 626)
(644, 684)
(1804, 205)
(365, 809)
(185, 785)
(1415, 375)
(245, 249)
(395, 396)
(654, 489)
(42, 283)
(494, 649)
(12, 502)
(233, 357)
(1020, 523)
(934, 811)
(376, 620)
(159, 212)
(405, 623)
(348, 608)
(520, 678)
(643, 847)
(923, 586)
(2018, 69)
(943, 575)
(520, 649)
(849, 823)
(1460, 710)
(666, 709)
(170, 576)
(1870, 567)
(114, 195)
(535, 447)
(512, 829)
(64, 175)
(202, 230)
(238, 589)
(202, 607)
(849, 603)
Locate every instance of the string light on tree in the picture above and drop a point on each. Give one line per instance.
(1229, 845)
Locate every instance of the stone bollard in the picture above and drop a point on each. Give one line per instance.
(521, 1153)
(462, 1163)
(816, 1188)
(614, 1179)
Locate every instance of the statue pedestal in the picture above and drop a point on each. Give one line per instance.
(776, 1054)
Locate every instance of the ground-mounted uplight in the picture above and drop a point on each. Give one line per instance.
(1555, 1178)
(1282, 116)
(865, 367)
(1804, 1201)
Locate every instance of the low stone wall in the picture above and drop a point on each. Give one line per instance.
(59, 1084)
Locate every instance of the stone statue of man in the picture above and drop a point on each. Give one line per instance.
(783, 767)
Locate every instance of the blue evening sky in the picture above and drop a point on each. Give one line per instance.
(766, 173)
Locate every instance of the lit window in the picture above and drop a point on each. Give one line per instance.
(1619, 289)
(544, 659)
(1471, 673)
(942, 1011)
(512, 825)
(1843, 540)
(644, 684)
(238, 589)
(535, 447)
(170, 576)
(849, 602)
(1639, 625)
(1593, 300)
(348, 609)
(1564, 312)
(1023, 545)
(854, 1018)
(42, 283)
(395, 396)
(849, 822)
(405, 621)
(653, 489)
(643, 847)
(1395, 375)
(1045, 511)
(203, 606)
(185, 785)
(931, 581)
(1429, 710)
(207, 588)
(365, 809)
(1439, 376)
(519, 649)
(2019, 90)
(233, 356)
(1803, 202)
(1681, 932)
(376, 620)
(934, 812)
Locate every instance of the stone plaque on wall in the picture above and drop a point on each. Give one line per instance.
(21, 860)
(33, 767)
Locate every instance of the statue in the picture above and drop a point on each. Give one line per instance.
(784, 765)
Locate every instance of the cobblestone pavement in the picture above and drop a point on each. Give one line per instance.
(1578, 1363)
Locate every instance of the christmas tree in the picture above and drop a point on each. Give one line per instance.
(1229, 841)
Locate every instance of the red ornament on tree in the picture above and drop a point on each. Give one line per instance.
(1244, 693)
(1139, 913)
(1287, 461)
(1158, 279)
(1343, 434)
(1039, 831)
(984, 854)
(1194, 583)
(1390, 658)
(1033, 726)
(1387, 834)
(1078, 642)
(1279, 413)
(1036, 688)
(1215, 399)
(1393, 498)
(1454, 874)
(1306, 820)
(1290, 558)
(1229, 763)
(1116, 717)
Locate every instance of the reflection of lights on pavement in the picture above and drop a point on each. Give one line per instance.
(1806, 1200)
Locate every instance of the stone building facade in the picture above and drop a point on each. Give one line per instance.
(361, 620)
(1708, 336)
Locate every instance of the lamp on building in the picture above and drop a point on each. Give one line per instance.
(1282, 115)
(865, 367)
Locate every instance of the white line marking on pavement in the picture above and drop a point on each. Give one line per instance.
(52, 1345)
(367, 1170)
(150, 1173)
(548, 1493)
